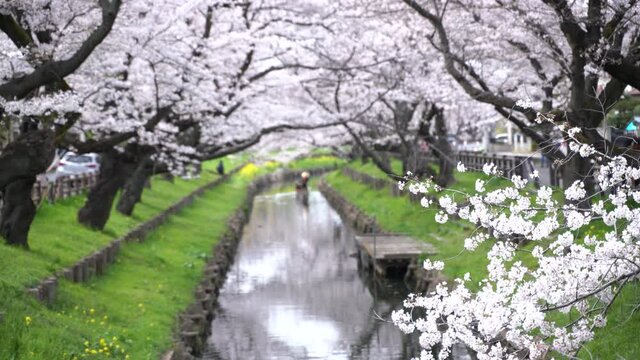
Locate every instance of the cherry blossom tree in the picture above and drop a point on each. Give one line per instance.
(40, 55)
(558, 55)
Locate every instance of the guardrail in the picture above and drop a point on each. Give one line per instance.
(521, 165)
(63, 187)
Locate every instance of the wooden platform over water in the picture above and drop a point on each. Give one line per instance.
(384, 252)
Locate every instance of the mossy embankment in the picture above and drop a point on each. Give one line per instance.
(397, 214)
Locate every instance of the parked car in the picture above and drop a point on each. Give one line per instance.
(77, 164)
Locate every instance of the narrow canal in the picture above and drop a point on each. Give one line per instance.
(295, 292)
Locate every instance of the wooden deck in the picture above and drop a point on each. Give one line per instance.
(385, 252)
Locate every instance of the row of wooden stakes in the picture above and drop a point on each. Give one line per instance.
(97, 263)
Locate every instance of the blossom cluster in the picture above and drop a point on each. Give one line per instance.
(544, 259)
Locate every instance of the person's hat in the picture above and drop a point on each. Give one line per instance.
(304, 174)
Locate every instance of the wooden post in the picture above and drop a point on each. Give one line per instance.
(49, 288)
(77, 272)
(101, 262)
(84, 270)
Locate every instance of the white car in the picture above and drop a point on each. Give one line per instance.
(77, 164)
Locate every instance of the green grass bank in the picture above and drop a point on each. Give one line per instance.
(57, 239)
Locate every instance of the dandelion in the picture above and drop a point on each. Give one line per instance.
(27, 320)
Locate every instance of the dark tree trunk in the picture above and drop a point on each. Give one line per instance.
(18, 212)
(134, 186)
(443, 152)
(114, 170)
(29, 155)
(439, 143)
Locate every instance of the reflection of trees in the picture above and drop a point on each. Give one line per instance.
(238, 326)
(409, 344)
(366, 335)
(387, 295)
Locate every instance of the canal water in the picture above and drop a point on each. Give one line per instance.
(295, 291)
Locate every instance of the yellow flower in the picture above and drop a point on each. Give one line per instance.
(91, 311)
(86, 343)
(93, 321)
(105, 318)
(27, 320)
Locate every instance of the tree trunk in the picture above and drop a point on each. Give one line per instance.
(114, 170)
(20, 161)
(443, 151)
(439, 143)
(29, 155)
(134, 186)
(18, 212)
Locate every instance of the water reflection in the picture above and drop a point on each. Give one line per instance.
(295, 292)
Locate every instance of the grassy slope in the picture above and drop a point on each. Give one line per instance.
(132, 308)
(314, 162)
(617, 340)
(58, 240)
